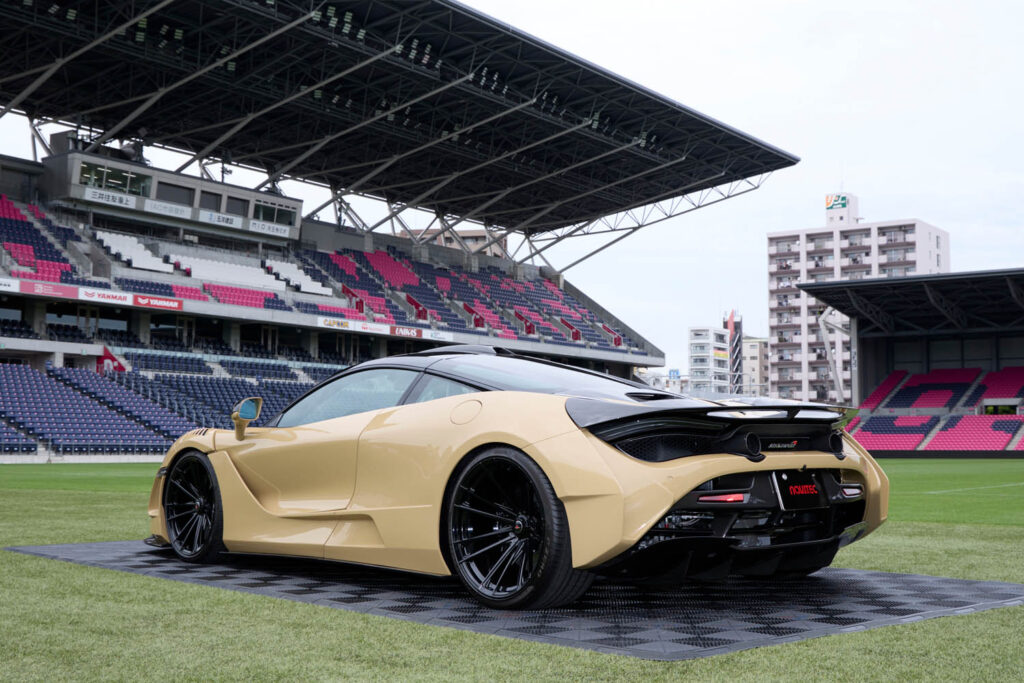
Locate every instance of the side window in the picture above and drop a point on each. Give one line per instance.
(356, 393)
(439, 387)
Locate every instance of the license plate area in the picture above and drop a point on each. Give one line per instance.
(798, 490)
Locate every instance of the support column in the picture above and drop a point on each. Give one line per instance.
(34, 315)
(233, 335)
(140, 325)
(313, 344)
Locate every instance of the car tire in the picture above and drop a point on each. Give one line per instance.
(192, 508)
(507, 535)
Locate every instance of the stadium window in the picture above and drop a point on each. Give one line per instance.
(176, 194)
(116, 179)
(209, 200)
(237, 207)
(273, 214)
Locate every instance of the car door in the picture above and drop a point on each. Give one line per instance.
(306, 463)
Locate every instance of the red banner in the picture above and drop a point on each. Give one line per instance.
(399, 331)
(49, 289)
(147, 301)
(108, 362)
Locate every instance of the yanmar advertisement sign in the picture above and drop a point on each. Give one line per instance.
(104, 296)
(147, 301)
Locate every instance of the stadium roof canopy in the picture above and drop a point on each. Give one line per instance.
(423, 103)
(929, 305)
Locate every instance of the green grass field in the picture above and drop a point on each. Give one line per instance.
(58, 621)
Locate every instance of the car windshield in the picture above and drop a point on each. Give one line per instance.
(518, 374)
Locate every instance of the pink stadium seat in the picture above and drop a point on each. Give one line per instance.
(186, 292)
(892, 433)
(884, 389)
(345, 263)
(976, 433)
(941, 388)
(1006, 383)
(395, 274)
(344, 311)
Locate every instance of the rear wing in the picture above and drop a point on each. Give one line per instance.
(587, 412)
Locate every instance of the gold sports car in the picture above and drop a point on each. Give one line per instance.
(522, 477)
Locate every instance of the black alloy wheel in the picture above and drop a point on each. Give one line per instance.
(192, 509)
(508, 536)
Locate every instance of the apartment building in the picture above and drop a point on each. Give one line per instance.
(754, 380)
(845, 248)
(709, 360)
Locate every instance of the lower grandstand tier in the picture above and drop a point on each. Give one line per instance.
(952, 411)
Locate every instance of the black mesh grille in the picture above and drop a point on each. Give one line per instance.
(662, 447)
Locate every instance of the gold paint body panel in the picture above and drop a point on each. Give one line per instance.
(369, 488)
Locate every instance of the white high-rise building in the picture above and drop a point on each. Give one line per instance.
(755, 366)
(709, 360)
(844, 249)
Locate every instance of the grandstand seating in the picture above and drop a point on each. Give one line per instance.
(14, 442)
(225, 271)
(68, 333)
(130, 250)
(37, 258)
(241, 296)
(120, 338)
(70, 421)
(63, 234)
(166, 341)
(16, 328)
(879, 395)
(1005, 383)
(895, 433)
(297, 277)
(266, 370)
(941, 388)
(328, 310)
(975, 433)
(318, 373)
(211, 398)
(119, 399)
(168, 363)
(295, 353)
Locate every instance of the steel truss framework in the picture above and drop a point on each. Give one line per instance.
(953, 304)
(422, 104)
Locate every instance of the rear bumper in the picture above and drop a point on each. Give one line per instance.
(761, 534)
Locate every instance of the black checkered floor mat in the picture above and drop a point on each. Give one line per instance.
(693, 620)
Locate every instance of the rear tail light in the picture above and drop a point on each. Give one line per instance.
(852, 491)
(724, 498)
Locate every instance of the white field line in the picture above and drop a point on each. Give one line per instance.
(976, 488)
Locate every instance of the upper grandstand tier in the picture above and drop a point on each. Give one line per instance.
(347, 284)
(428, 104)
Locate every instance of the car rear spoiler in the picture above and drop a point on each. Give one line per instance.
(586, 412)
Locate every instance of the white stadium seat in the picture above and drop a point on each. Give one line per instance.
(298, 277)
(234, 273)
(133, 251)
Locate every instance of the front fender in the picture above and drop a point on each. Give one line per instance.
(201, 440)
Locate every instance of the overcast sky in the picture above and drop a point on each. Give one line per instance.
(916, 107)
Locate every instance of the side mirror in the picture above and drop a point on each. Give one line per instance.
(244, 412)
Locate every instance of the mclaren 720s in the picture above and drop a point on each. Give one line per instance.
(522, 477)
